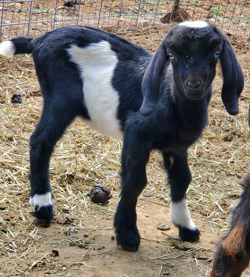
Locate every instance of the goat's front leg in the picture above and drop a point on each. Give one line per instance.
(179, 177)
(135, 156)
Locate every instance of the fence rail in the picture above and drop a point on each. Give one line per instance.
(32, 17)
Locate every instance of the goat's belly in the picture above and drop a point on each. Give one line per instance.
(97, 63)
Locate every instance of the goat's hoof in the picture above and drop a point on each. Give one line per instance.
(128, 240)
(43, 215)
(41, 223)
(190, 235)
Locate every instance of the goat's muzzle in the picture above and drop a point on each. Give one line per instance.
(194, 88)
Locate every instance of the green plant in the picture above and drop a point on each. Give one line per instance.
(217, 11)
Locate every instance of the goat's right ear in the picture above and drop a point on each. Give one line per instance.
(152, 79)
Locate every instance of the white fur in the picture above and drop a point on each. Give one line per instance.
(41, 200)
(7, 48)
(97, 63)
(194, 24)
(180, 215)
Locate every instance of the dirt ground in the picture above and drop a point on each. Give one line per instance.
(80, 240)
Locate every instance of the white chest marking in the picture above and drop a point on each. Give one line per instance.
(97, 63)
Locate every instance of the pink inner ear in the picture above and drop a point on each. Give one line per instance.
(235, 240)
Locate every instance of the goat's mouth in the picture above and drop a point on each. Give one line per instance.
(194, 95)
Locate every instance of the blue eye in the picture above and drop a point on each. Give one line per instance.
(217, 55)
(171, 56)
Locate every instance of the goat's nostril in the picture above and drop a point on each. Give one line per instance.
(194, 84)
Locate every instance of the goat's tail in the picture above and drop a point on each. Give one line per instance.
(20, 45)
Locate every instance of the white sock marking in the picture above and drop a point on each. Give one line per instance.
(194, 24)
(180, 215)
(41, 200)
(7, 48)
(97, 63)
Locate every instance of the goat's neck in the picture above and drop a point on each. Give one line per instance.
(192, 112)
(192, 116)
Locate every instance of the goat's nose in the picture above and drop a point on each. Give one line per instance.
(194, 83)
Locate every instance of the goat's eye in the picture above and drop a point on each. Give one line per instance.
(216, 55)
(171, 56)
(238, 256)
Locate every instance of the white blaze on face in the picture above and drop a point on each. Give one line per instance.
(194, 24)
(180, 215)
(41, 200)
(97, 63)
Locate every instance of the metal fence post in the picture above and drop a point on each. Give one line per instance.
(29, 17)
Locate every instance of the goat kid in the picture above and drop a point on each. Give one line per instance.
(155, 101)
(233, 252)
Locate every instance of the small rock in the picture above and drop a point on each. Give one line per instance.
(16, 98)
(54, 253)
(163, 227)
(71, 3)
(64, 220)
(99, 194)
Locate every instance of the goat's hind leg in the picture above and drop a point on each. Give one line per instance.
(54, 120)
(179, 176)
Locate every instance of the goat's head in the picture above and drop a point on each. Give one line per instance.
(231, 257)
(233, 252)
(191, 51)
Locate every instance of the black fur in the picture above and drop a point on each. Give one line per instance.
(163, 102)
(22, 45)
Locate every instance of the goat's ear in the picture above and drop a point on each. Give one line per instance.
(233, 80)
(152, 79)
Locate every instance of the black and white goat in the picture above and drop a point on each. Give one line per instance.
(155, 101)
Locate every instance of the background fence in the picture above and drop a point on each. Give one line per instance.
(31, 17)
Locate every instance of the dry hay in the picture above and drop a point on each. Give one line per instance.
(83, 158)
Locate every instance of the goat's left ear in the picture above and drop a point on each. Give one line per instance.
(152, 79)
(233, 80)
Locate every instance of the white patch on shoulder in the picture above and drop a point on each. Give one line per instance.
(7, 48)
(180, 215)
(194, 24)
(97, 63)
(41, 200)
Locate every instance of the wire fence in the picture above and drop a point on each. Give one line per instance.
(32, 17)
